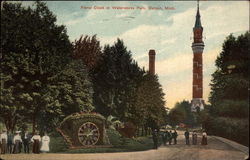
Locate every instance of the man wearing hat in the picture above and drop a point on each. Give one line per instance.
(3, 141)
(17, 140)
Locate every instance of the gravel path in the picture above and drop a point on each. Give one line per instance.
(215, 150)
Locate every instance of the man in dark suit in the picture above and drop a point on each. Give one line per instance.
(175, 137)
(170, 137)
(10, 142)
(155, 138)
(187, 136)
(26, 141)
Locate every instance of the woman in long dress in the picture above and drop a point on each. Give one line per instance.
(204, 138)
(194, 138)
(45, 143)
(36, 139)
(3, 142)
(17, 141)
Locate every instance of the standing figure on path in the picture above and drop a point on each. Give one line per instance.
(167, 136)
(17, 140)
(26, 141)
(10, 142)
(170, 137)
(175, 135)
(204, 138)
(3, 141)
(45, 143)
(194, 138)
(187, 136)
(36, 139)
(155, 138)
(164, 136)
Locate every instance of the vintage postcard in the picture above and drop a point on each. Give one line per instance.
(124, 80)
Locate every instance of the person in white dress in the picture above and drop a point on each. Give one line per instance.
(45, 143)
(3, 142)
(204, 138)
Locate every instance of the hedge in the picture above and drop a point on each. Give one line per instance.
(235, 129)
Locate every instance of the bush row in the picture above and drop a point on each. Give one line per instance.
(235, 129)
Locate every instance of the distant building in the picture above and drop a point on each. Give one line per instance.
(197, 102)
(151, 67)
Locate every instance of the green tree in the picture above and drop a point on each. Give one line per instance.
(74, 88)
(181, 113)
(229, 95)
(149, 108)
(228, 114)
(115, 80)
(67, 92)
(36, 67)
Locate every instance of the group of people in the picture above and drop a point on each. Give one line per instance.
(195, 137)
(167, 137)
(10, 143)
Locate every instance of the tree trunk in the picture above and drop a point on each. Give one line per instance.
(10, 122)
(146, 131)
(33, 124)
(142, 132)
(137, 131)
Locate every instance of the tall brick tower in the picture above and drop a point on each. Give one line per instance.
(197, 102)
(151, 66)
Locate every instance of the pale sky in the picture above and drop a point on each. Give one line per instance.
(169, 32)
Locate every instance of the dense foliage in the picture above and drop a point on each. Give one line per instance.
(88, 49)
(181, 113)
(114, 81)
(149, 107)
(230, 82)
(229, 112)
(39, 79)
(45, 77)
(232, 128)
(121, 88)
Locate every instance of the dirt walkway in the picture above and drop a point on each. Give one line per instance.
(215, 150)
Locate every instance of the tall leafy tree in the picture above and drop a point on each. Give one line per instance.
(67, 92)
(230, 82)
(149, 107)
(228, 114)
(36, 52)
(115, 79)
(88, 49)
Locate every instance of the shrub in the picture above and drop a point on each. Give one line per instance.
(115, 137)
(232, 128)
(232, 108)
(57, 143)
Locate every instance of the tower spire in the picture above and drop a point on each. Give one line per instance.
(198, 20)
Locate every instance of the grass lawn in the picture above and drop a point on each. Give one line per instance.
(120, 144)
